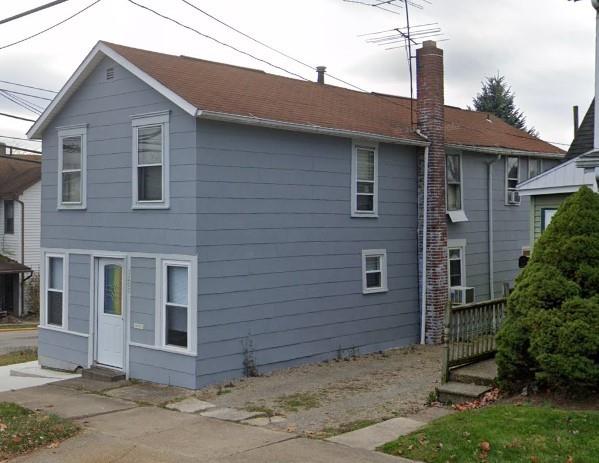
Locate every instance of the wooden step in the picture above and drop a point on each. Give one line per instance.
(482, 373)
(106, 375)
(457, 393)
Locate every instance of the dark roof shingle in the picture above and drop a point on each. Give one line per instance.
(234, 90)
(584, 139)
(17, 173)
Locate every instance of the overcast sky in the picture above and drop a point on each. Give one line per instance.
(545, 48)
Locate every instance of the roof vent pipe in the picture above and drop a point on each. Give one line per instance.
(321, 71)
(576, 120)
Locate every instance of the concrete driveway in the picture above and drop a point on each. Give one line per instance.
(120, 430)
(14, 341)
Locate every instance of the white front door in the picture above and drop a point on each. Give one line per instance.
(110, 302)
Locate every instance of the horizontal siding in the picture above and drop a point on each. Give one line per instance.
(280, 256)
(143, 307)
(62, 350)
(109, 223)
(79, 293)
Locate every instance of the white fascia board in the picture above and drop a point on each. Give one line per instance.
(306, 128)
(552, 190)
(531, 184)
(83, 71)
(505, 151)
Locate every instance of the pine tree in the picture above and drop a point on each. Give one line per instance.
(496, 97)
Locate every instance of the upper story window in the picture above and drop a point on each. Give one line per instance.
(9, 217)
(150, 160)
(454, 182)
(512, 177)
(72, 176)
(374, 271)
(535, 167)
(364, 181)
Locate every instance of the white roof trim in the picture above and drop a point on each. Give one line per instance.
(83, 71)
(504, 151)
(306, 128)
(531, 181)
(551, 190)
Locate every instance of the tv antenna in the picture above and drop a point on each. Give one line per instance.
(406, 37)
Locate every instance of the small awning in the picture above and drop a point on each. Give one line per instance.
(8, 265)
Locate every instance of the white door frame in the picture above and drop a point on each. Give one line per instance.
(94, 274)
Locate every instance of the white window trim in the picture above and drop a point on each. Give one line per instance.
(65, 132)
(65, 291)
(354, 181)
(507, 202)
(161, 287)
(461, 245)
(382, 253)
(461, 209)
(157, 118)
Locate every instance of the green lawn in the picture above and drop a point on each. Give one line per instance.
(18, 357)
(22, 430)
(515, 434)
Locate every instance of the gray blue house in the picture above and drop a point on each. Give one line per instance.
(198, 217)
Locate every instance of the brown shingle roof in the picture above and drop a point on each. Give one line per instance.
(17, 173)
(234, 90)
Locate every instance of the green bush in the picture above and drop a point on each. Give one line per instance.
(551, 331)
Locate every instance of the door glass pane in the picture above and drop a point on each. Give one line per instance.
(176, 326)
(71, 187)
(71, 153)
(365, 164)
(113, 289)
(149, 183)
(149, 145)
(55, 273)
(176, 285)
(54, 308)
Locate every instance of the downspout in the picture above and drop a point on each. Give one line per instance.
(22, 281)
(490, 226)
(424, 244)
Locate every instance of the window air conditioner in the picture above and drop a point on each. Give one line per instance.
(460, 295)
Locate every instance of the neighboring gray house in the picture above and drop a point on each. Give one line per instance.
(197, 216)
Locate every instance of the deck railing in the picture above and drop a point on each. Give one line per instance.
(469, 333)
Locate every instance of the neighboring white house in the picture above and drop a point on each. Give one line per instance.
(20, 191)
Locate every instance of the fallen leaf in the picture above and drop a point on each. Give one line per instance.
(570, 459)
(3, 427)
(53, 445)
(16, 439)
(485, 446)
(534, 459)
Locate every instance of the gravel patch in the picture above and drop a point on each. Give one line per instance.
(318, 398)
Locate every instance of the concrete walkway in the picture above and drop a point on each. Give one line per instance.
(120, 430)
(28, 374)
(374, 436)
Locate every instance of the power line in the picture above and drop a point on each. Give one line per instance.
(26, 94)
(15, 101)
(17, 117)
(51, 27)
(33, 10)
(215, 40)
(27, 86)
(23, 101)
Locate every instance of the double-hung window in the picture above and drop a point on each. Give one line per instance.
(512, 177)
(456, 266)
(535, 167)
(177, 316)
(364, 181)
(454, 182)
(54, 290)
(374, 271)
(150, 136)
(72, 160)
(9, 217)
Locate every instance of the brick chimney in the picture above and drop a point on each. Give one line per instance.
(431, 122)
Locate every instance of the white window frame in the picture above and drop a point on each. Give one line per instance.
(382, 255)
(459, 155)
(45, 274)
(144, 120)
(507, 189)
(461, 246)
(162, 283)
(354, 181)
(68, 132)
(540, 165)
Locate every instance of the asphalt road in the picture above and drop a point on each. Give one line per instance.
(17, 340)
